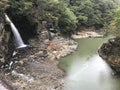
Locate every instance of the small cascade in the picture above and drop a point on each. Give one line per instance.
(19, 44)
(18, 39)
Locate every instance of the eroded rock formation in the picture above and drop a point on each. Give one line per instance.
(110, 52)
(4, 39)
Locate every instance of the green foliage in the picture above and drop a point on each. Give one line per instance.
(116, 23)
(69, 14)
(19, 7)
(67, 21)
(58, 11)
(1, 10)
(93, 12)
(22, 15)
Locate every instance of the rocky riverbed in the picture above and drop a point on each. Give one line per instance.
(37, 69)
(87, 34)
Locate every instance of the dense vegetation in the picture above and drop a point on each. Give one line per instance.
(65, 16)
(115, 24)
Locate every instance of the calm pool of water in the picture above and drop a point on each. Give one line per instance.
(86, 70)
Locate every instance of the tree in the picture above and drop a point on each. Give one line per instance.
(96, 13)
(62, 14)
(115, 24)
(67, 15)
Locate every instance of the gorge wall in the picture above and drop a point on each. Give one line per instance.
(110, 52)
(4, 39)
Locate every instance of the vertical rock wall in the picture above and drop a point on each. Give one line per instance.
(110, 52)
(4, 39)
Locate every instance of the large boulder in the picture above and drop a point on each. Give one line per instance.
(110, 52)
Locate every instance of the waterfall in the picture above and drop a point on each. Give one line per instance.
(18, 39)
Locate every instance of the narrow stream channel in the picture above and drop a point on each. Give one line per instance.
(86, 70)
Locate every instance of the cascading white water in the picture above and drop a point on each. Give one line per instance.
(18, 39)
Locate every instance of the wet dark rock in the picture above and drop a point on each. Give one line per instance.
(5, 41)
(110, 52)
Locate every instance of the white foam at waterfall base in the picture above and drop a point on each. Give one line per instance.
(22, 46)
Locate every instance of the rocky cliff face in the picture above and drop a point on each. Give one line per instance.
(4, 39)
(110, 52)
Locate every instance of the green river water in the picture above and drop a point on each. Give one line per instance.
(86, 70)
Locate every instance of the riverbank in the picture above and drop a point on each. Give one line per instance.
(60, 47)
(86, 34)
(38, 70)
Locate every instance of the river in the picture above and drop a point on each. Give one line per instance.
(85, 70)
